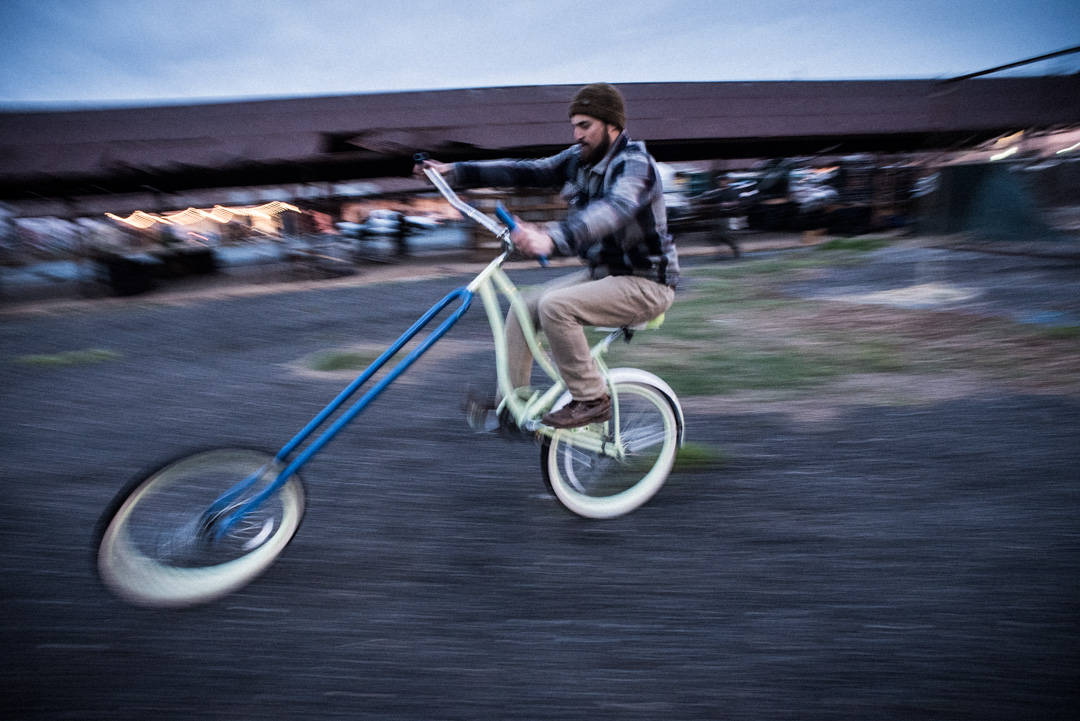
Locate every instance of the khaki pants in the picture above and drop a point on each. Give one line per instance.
(564, 306)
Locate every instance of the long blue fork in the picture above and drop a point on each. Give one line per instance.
(222, 513)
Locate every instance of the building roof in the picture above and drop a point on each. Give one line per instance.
(310, 140)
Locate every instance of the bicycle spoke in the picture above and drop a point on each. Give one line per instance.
(639, 439)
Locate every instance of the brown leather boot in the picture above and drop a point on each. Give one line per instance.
(580, 413)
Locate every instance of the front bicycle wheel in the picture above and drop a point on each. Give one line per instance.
(158, 547)
(595, 484)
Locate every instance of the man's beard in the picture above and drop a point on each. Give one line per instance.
(594, 156)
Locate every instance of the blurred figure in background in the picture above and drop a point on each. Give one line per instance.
(617, 225)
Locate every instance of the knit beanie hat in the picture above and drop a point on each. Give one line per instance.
(600, 101)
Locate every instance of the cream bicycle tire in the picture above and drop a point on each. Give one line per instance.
(594, 485)
(152, 552)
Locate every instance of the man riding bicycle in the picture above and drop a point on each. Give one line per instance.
(616, 223)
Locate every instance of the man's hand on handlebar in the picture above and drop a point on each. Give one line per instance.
(440, 168)
(530, 240)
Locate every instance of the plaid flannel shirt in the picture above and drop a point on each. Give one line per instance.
(616, 220)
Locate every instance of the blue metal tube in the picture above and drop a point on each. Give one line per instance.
(221, 504)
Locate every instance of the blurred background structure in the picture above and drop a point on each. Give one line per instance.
(131, 195)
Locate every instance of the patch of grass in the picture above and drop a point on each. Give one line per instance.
(695, 456)
(714, 341)
(876, 356)
(861, 245)
(731, 334)
(330, 361)
(752, 268)
(739, 363)
(733, 328)
(704, 313)
(723, 371)
(70, 358)
(1064, 332)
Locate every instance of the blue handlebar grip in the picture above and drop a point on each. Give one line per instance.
(508, 220)
(502, 214)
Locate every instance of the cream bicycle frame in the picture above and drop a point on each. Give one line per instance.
(487, 284)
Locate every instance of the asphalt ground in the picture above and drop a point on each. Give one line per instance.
(916, 561)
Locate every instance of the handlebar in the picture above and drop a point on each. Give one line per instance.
(501, 231)
(502, 214)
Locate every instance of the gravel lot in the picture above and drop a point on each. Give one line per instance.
(864, 559)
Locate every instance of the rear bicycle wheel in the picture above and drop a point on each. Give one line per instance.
(156, 546)
(596, 485)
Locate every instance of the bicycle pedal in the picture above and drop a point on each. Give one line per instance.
(507, 428)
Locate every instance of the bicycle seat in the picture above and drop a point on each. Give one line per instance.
(650, 324)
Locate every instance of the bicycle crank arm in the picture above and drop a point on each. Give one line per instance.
(585, 438)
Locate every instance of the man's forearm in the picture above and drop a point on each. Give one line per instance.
(542, 173)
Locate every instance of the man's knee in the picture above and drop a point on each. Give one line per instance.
(552, 307)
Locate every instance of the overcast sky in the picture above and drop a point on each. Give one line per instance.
(66, 53)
